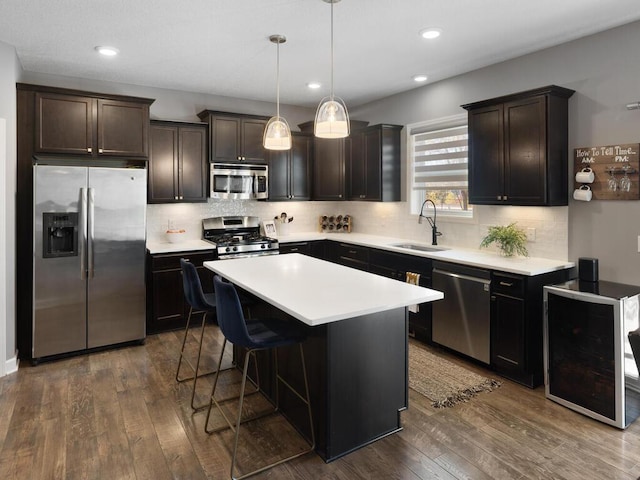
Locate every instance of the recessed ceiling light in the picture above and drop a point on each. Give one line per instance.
(107, 51)
(314, 85)
(430, 33)
(420, 78)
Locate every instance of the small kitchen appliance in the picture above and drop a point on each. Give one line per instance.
(237, 237)
(588, 269)
(239, 181)
(589, 363)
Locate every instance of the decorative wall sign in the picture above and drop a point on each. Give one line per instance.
(613, 170)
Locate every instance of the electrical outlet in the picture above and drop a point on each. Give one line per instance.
(638, 243)
(531, 234)
(171, 224)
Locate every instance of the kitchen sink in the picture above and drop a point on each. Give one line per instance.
(419, 247)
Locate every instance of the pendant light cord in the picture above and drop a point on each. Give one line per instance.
(278, 79)
(331, 93)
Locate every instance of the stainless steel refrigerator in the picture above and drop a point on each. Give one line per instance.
(89, 257)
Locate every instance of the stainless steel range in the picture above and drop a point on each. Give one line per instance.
(237, 237)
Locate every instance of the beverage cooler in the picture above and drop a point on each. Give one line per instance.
(589, 365)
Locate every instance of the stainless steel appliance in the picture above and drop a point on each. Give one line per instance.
(89, 257)
(462, 320)
(237, 237)
(589, 363)
(239, 181)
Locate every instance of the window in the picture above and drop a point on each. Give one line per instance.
(438, 152)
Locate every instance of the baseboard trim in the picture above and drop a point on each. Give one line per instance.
(11, 365)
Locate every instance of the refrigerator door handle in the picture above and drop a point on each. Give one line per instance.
(90, 224)
(83, 233)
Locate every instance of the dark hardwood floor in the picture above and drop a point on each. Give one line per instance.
(119, 414)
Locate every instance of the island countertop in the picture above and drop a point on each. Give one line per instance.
(318, 292)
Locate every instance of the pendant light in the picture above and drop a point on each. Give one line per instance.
(277, 134)
(332, 119)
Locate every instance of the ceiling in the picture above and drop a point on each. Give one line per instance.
(222, 47)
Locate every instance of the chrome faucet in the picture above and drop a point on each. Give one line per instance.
(432, 221)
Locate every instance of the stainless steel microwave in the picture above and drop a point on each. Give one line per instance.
(239, 181)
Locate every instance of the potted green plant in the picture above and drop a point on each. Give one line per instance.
(510, 239)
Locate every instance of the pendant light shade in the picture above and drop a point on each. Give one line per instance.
(277, 134)
(332, 118)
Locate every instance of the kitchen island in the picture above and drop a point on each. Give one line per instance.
(357, 350)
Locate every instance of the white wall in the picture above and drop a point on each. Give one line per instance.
(9, 74)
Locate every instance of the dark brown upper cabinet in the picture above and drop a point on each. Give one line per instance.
(518, 149)
(290, 170)
(235, 138)
(85, 124)
(178, 162)
(373, 157)
(330, 169)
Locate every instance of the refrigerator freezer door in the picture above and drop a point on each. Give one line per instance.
(116, 255)
(59, 287)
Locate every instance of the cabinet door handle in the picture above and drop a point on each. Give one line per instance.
(507, 360)
(352, 252)
(294, 249)
(89, 149)
(504, 198)
(506, 284)
(100, 150)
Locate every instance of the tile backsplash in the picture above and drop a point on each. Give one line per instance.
(388, 219)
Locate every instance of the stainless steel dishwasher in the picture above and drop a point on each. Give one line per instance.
(461, 321)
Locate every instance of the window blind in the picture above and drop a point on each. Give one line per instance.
(440, 158)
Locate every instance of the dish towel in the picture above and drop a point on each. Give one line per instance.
(414, 279)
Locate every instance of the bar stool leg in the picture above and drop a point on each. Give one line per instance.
(217, 403)
(195, 376)
(184, 342)
(305, 399)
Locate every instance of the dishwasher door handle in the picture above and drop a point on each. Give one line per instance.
(461, 276)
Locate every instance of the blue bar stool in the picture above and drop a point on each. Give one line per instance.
(272, 334)
(198, 301)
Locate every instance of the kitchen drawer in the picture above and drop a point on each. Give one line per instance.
(295, 247)
(507, 284)
(352, 252)
(400, 263)
(172, 261)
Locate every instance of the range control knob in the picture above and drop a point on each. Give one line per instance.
(263, 246)
(235, 249)
(227, 249)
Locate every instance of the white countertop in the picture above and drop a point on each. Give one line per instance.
(318, 292)
(529, 266)
(184, 246)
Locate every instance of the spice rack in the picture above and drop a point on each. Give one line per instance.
(335, 223)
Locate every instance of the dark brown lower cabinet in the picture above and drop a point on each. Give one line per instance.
(167, 308)
(516, 324)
